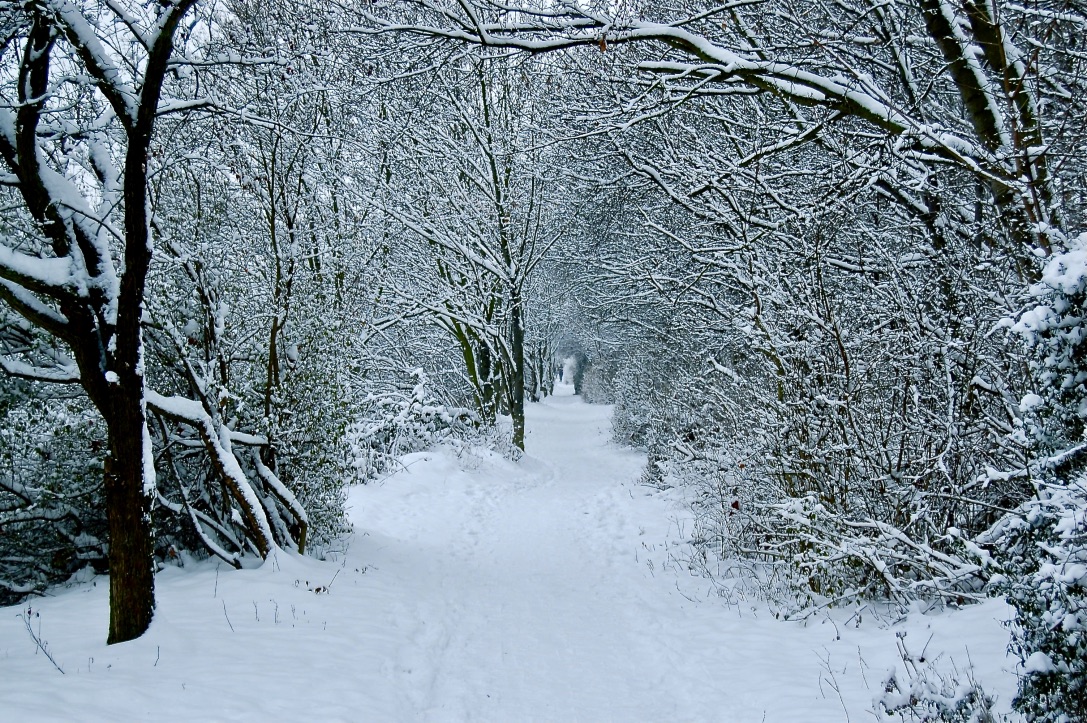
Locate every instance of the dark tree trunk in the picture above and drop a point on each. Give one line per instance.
(128, 505)
(129, 485)
(516, 392)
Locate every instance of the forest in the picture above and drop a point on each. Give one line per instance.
(826, 259)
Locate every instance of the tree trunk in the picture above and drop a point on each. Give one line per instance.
(516, 392)
(128, 505)
(485, 374)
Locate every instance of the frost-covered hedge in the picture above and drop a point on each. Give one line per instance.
(1042, 549)
(1055, 328)
(51, 523)
(1044, 559)
(397, 422)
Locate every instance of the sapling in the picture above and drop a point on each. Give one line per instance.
(37, 636)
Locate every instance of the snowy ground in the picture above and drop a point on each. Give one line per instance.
(476, 589)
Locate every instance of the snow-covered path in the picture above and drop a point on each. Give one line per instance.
(539, 597)
(476, 589)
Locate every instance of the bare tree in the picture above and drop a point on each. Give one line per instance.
(470, 186)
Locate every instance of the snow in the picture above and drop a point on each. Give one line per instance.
(1038, 662)
(34, 272)
(1066, 272)
(150, 480)
(476, 588)
(1030, 402)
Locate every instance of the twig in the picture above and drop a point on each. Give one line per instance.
(36, 637)
(684, 594)
(227, 616)
(863, 665)
(833, 683)
(837, 633)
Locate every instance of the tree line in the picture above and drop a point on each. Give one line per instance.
(825, 259)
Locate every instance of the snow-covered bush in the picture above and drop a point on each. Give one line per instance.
(805, 555)
(51, 520)
(919, 692)
(597, 377)
(1043, 555)
(311, 439)
(837, 487)
(633, 421)
(1055, 329)
(1041, 549)
(400, 422)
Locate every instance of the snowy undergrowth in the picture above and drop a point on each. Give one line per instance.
(474, 587)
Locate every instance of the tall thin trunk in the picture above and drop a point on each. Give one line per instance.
(516, 392)
(485, 369)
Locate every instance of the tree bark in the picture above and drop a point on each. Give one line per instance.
(128, 505)
(516, 392)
